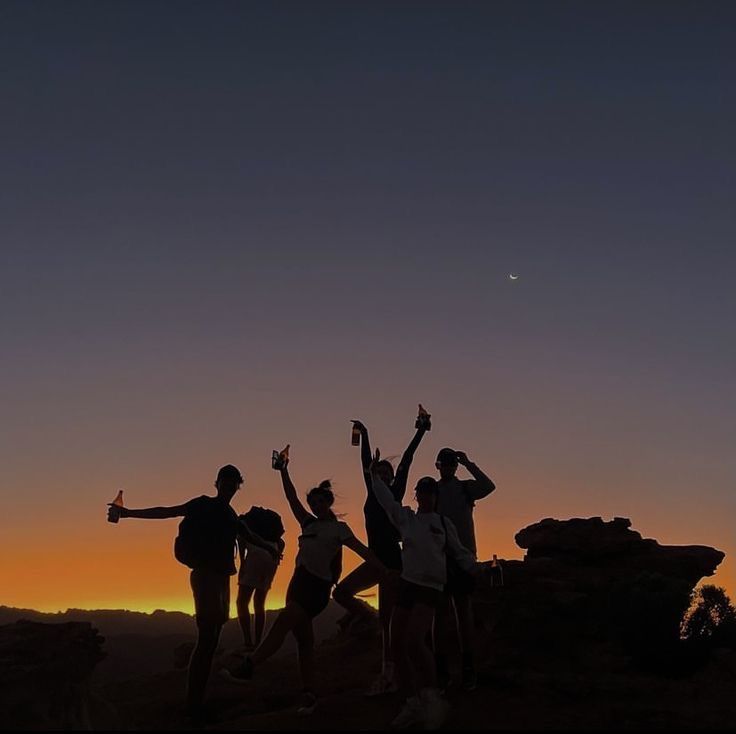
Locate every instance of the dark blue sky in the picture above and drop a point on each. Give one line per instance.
(311, 209)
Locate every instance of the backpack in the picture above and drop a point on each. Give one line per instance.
(203, 539)
(264, 522)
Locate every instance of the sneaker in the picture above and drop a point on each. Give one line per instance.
(382, 685)
(308, 704)
(444, 681)
(240, 674)
(435, 709)
(470, 679)
(409, 715)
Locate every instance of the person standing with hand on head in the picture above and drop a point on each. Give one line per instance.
(457, 498)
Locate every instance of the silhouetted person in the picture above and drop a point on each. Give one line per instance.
(258, 565)
(383, 540)
(427, 539)
(317, 570)
(207, 545)
(457, 498)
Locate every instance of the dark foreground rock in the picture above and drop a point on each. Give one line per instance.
(45, 672)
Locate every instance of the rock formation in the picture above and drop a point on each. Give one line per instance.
(44, 674)
(586, 582)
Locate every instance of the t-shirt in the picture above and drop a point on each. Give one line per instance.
(319, 544)
(216, 526)
(426, 541)
(456, 500)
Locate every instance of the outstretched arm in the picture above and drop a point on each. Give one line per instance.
(482, 485)
(299, 511)
(150, 513)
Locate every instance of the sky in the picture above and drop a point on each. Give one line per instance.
(228, 226)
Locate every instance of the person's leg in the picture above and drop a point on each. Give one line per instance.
(211, 601)
(304, 635)
(386, 602)
(200, 664)
(400, 621)
(288, 618)
(466, 630)
(434, 708)
(259, 612)
(440, 639)
(244, 596)
(362, 578)
(420, 655)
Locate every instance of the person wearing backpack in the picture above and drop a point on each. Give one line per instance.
(457, 498)
(318, 568)
(258, 565)
(206, 544)
(428, 540)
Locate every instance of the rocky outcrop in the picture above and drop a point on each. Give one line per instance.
(44, 674)
(585, 582)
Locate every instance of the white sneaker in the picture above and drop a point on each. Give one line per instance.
(308, 704)
(435, 708)
(409, 715)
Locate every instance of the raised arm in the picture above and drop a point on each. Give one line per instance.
(297, 508)
(402, 471)
(482, 485)
(365, 453)
(385, 498)
(150, 513)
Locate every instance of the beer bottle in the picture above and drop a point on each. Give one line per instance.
(114, 514)
(423, 419)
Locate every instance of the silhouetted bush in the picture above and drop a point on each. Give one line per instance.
(711, 618)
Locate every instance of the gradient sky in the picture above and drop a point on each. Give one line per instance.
(225, 226)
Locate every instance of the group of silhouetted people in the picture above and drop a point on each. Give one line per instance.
(423, 560)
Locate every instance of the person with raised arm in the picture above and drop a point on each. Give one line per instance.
(316, 570)
(427, 540)
(383, 540)
(457, 498)
(206, 544)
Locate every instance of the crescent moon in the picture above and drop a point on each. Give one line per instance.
(513, 277)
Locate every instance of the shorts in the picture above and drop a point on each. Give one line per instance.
(257, 572)
(211, 597)
(459, 582)
(410, 594)
(310, 592)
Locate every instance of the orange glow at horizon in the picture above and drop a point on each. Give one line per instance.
(131, 565)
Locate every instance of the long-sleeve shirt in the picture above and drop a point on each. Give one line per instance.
(426, 540)
(456, 501)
